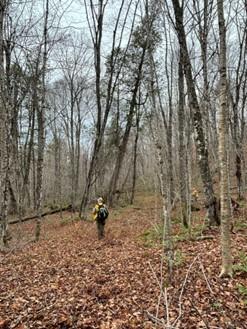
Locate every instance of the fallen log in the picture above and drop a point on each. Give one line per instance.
(50, 212)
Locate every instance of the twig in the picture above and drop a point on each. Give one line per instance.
(167, 308)
(154, 319)
(158, 321)
(197, 311)
(204, 237)
(161, 289)
(204, 274)
(165, 298)
(182, 290)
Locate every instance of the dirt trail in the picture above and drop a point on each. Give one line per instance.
(71, 280)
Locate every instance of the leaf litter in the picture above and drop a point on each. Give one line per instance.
(71, 280)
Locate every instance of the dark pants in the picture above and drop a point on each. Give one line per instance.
(101, 228)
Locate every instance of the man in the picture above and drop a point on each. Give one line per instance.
(100, 214)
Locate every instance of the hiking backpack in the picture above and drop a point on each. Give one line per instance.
(103, 213)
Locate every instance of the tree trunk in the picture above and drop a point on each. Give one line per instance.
(28, 153)
(169, 131)
(182, 149)
(41, 130)
(123, 145)
(135, 157)
(96, 34)
(72, 148)
(238, 96)
(223, 133)
(98, 30)
(89, 179)
(202, 151)
(5, 136)
(164, 179)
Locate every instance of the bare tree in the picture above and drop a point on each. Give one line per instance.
(96, 31)
(75, 66)
(130, 116)
(201, 146)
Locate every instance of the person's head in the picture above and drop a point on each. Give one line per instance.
(100, 201)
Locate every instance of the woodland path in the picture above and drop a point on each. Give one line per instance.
(71, 280)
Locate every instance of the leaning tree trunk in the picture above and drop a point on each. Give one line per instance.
(123, 146)
(223, 133)
(201, 147)
(121, 153)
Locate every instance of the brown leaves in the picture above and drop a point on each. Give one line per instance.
(4, 324)
(72, 280)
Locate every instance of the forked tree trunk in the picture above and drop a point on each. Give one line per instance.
(223, 133)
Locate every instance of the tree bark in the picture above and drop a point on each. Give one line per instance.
(238, 118)
(41, 129)
(164, 180)
(43, 214)
(201, 146)
(123, 145)
(5, 135)
(223, 138)
(135, 156)
(182, 148)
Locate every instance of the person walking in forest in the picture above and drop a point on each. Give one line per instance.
(100, 214)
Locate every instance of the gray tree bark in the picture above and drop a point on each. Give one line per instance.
(5, 135)
(123, 145)
(182, 147)
(223, 138)
(41, 129)
(201, 147)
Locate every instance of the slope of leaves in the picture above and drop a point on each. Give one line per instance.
(71, 280)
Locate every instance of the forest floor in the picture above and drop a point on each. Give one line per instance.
(71, 280)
